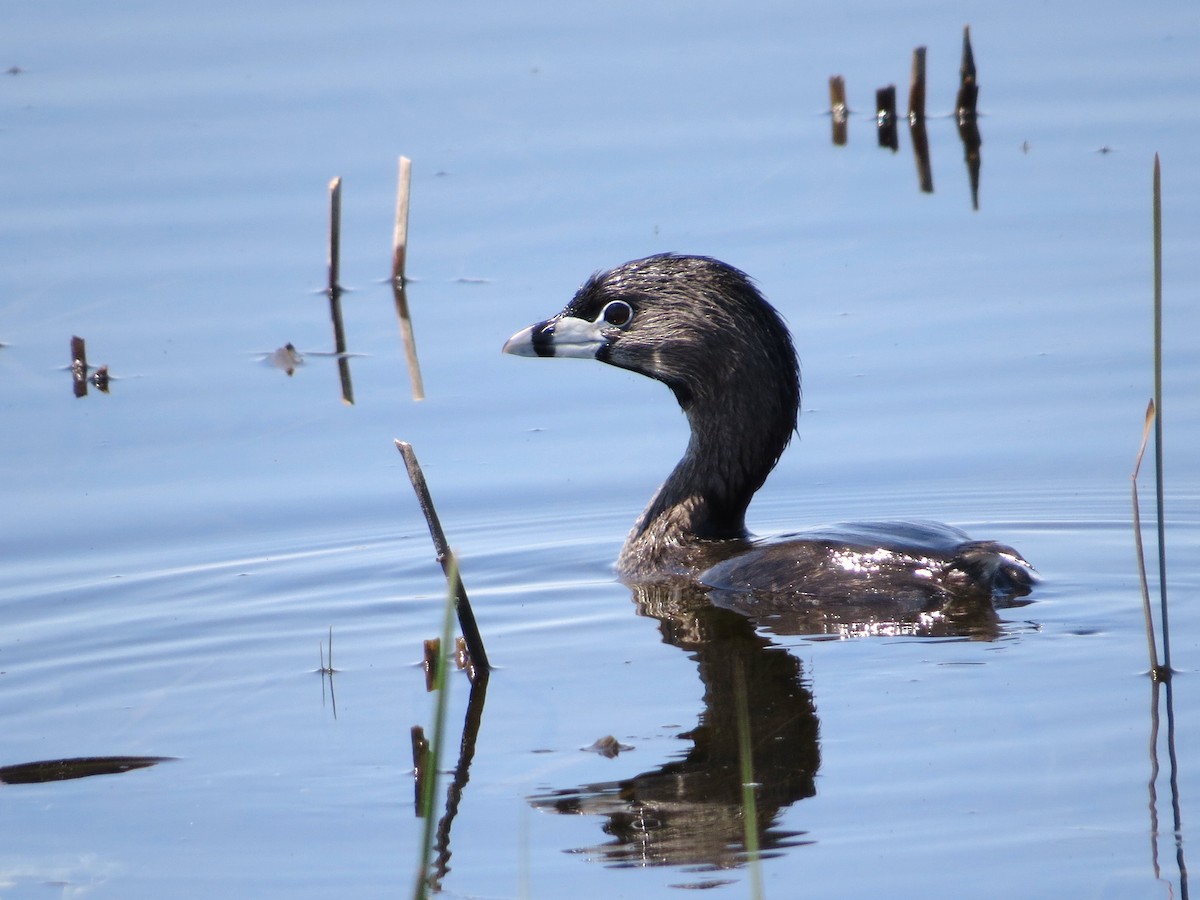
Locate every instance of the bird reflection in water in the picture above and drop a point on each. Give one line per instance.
(689, 811)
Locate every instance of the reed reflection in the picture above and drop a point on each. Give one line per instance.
(434, 870)
(407, 337)
(339, 345)
(1174, 837)
(968, 132)
(920, 142)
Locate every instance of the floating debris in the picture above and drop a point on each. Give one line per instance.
(287, 358)
(608, 747)
(100, 379)
(80, 767)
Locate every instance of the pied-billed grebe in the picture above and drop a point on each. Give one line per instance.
(702, 328)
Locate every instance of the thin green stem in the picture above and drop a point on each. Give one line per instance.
(1158, 418)
(421, 889)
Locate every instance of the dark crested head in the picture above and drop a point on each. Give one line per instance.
(703, 329)
(694, 323)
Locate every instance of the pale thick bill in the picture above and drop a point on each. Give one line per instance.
(560, 336)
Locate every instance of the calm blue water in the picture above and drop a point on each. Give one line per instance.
(176, 551)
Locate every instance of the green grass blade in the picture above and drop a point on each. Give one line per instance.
(1158, 418)
(436, 742)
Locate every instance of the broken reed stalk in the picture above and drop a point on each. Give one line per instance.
(429, 662)
(400, 229)
(837, 95)
(838, 109)
(968, 87)
(479, 666)
(885, 117)
(1158, 426)
(399, 278)
(1137, 544)
(916, 89)
(433, 754)
(749, 800)
(335, 235)
(968, 128)
(78, 357)
(916, 121)
(79, 366)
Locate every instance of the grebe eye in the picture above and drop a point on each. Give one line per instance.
(617, 313)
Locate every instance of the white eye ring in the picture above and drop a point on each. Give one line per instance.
(617, 313)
